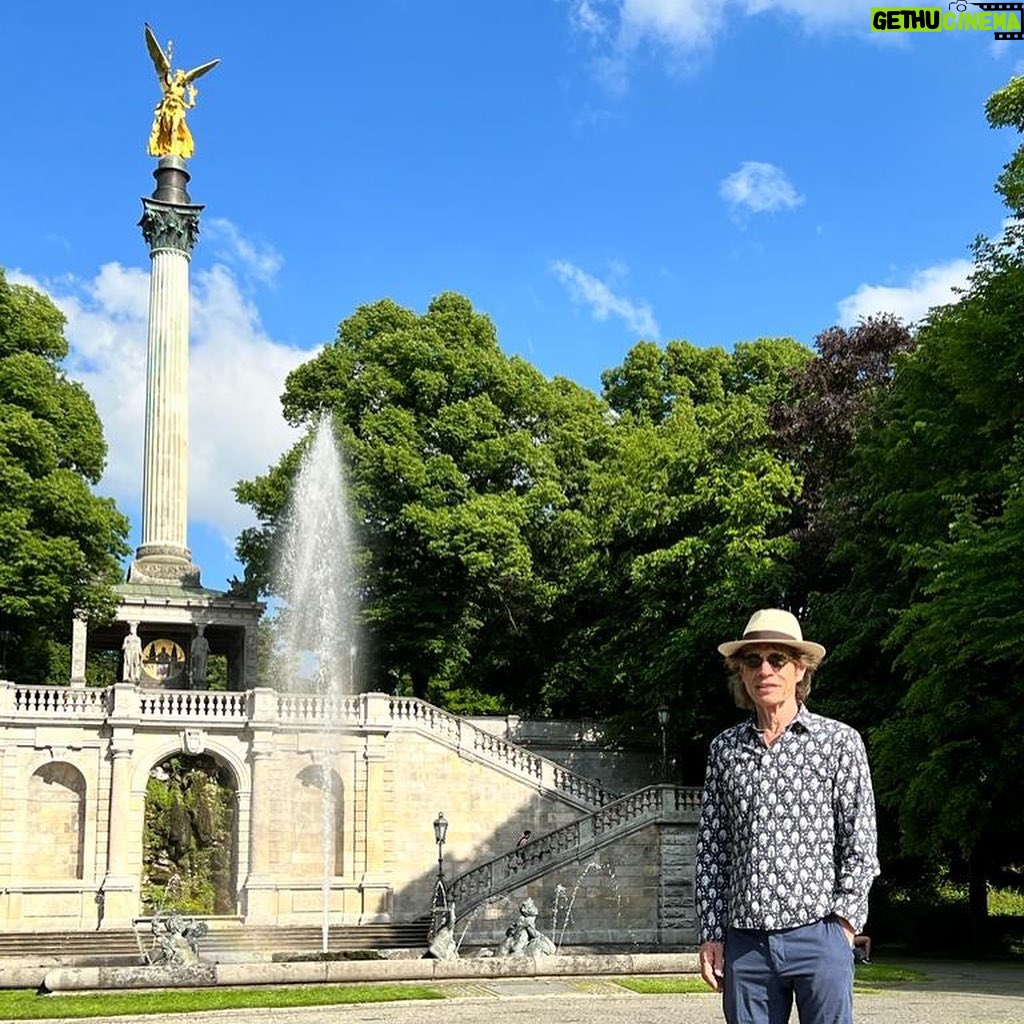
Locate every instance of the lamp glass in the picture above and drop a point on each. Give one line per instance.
(440, 827)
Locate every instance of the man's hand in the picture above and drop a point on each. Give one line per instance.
(848, 929)
(712, 964)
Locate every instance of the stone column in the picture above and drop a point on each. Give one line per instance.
(170, 225)
(250, 659)
(120, 885)
(374, 804)
(260, 891)
(79, 642)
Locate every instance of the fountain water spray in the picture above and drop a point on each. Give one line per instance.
(319, 614)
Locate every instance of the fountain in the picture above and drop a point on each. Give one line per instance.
(313, 576)
(565, 899)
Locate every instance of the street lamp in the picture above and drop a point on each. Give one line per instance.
(440, 832)
(439, 905)
(663, 714)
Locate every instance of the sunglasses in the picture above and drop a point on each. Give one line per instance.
(774, 658)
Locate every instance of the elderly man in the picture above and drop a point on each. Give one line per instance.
(786, 851)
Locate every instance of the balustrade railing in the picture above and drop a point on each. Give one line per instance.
(313, 709)
(572, 842)
(193, 704)
(265, 708)
(61, 701)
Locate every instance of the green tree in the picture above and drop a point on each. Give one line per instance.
(466, 468)
(931, 540)
(60, 544)
(690, 512)
(949, 474)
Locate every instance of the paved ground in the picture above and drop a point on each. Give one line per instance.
(956, 994)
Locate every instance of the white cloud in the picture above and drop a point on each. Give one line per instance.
(236, 376)
(684, 29)
(590, 291)
(256, 259)
(816, 15)
(933, 286)
(759, 188)
(586, 19)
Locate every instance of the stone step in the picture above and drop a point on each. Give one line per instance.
(233, 939)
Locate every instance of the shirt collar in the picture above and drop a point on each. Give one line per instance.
(803, 721)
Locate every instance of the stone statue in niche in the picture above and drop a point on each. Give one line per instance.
(132, 652)
(199, 652)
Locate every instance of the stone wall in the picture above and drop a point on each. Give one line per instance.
(74, 767)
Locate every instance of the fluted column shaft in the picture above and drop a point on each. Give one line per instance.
(165, 470)
(170, 225)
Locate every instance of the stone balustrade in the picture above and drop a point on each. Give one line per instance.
(574, 842)
(130, 705)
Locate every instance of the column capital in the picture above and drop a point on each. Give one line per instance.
(172, 226)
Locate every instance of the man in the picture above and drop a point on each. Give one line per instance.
(786, 851)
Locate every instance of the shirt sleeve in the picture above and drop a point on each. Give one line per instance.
(712, 865)
(856, 833)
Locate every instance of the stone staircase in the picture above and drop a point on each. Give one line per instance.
(573, 843)
(229, 941)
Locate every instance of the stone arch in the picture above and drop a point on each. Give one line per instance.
(317, 811)
(55, 822)
(176, 745)
(192, 838)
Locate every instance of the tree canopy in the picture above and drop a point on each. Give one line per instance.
(60, 544)
(467, 468)
(528, 545)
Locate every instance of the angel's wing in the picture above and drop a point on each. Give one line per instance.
(191, 76)
(160, 61)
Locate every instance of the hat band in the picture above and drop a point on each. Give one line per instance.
(770, 634)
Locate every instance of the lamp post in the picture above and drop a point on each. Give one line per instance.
(440, 832)
(439, 905)
(663, 714)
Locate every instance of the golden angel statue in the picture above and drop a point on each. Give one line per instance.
(169, 135)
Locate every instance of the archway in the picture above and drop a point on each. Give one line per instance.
(188, 861)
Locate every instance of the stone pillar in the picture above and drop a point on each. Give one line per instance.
(119, 898)
(260, 891)
(250, 659)
(120, 884)
(374, 807)
(79, 641)
(170, 225)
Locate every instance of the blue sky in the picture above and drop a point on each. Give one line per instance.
(587, 172)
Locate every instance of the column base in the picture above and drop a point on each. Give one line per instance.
(164, 563)
(120, 902)
(259, 902)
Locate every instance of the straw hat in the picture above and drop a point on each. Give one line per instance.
(773, 624)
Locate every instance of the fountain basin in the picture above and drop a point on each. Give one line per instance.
(70, 979)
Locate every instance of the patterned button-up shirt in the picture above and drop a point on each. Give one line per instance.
(787, 832)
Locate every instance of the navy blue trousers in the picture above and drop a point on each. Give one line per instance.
(765, 970)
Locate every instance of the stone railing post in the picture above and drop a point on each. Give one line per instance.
(262, 710)
(377, 711)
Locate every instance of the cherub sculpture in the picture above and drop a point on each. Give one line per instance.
(169, 135)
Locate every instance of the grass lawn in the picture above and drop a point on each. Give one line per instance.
(865, 980)
(23, 1004)
(871, 974)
